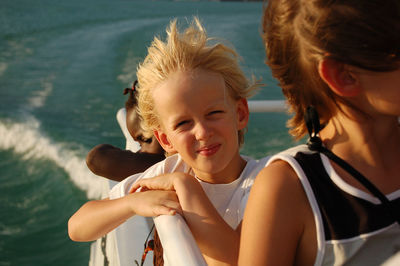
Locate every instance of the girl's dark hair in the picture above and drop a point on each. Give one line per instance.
(298, 34)
(132, 101)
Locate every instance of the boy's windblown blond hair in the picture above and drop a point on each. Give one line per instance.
(185, 51)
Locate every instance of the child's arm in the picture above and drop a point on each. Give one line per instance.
(273, 223)
(98, 217)
(218, 242)
(116, 164)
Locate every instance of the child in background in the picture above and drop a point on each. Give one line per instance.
(339, 60)
(193, 96)
(116, 164)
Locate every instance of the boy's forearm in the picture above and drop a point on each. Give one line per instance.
(216, 239)
(96, 218)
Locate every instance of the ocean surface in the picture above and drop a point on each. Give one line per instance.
(63, 66)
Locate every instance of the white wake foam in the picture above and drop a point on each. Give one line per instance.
(27, 140)
(128, 74)
(3, 68)
(38, 99)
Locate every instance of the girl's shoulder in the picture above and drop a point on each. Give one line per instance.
(290, 153)
(279, 203)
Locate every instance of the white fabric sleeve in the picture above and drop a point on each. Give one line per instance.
(171, 164)
(131, 144)
(122, 188)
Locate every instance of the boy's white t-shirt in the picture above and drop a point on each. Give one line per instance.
(229, 199)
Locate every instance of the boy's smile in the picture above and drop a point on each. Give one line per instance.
(209, 150)
(200, 121)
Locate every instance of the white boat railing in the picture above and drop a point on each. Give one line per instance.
(267, 106)
(182, 249)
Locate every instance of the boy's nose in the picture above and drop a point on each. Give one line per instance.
(202, 131)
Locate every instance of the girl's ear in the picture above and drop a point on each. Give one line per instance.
(339, 78)
(164, 141)
(242, 110)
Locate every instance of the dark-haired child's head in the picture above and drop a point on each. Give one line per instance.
(148, 144)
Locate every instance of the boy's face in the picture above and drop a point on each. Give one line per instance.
(200, 121)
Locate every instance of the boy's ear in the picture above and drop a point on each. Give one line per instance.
(339, 78)
(164, 141)
(243, 113)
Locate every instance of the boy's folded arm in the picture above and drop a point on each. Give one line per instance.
(218, 242)
(98, 217)
(160, 182)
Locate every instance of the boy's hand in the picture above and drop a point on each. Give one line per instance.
(154, 202)
(161, 182)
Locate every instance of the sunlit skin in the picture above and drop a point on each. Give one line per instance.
(200, 120)
(366, 132)
(382, 90)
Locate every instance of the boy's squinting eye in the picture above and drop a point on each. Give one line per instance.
(181, 123)
(216, 112)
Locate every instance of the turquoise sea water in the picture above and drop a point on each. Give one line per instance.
(63, 65)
